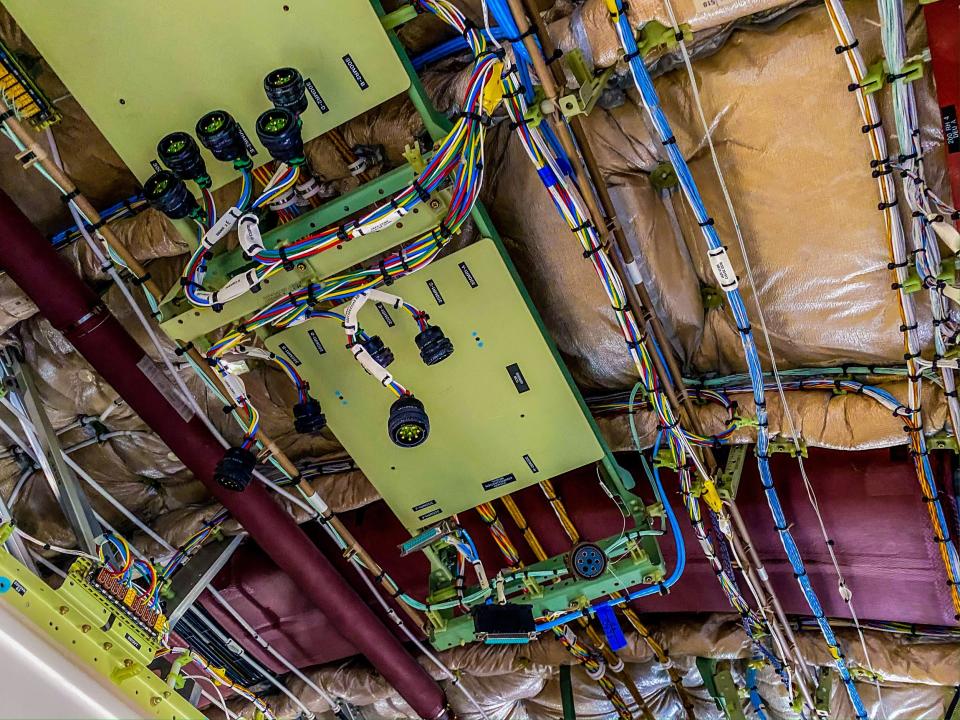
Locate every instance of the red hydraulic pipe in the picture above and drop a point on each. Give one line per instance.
(76, 311)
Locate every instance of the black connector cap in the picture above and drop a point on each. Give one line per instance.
(285, 89)
(180, 153)
(378, 351)
(408, 424)
(434, 345)
(235, 469)
(168, 194)
(220, 134)
(279, 132)
(308, 418)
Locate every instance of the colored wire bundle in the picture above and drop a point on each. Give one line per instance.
(848, 48)
(727, 280)
(192, 544)
(488, 514)
(219, 677)
(595, 667)
(124, 565)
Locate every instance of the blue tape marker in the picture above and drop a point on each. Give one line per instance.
(611, 628)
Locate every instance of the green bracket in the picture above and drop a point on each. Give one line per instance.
(788, 447)
(943, 441)
(911, 71)
(398, 17)
(875, 77)
(665, 459)
(664, 177)
(914, 284)
(721, 687)
(729, 479)
(566, 694)
(824, 690)
(655, 35)
(534, 113)
(591, 85)
(711, 297)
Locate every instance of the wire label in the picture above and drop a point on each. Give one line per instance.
(289, 353)
(315, 94)
(385, 315)
(468, 274)
(355, 71)
(435, 292)
(518, 379)
(951, 132)
(722, 269)
(321, 350)
(500, 481)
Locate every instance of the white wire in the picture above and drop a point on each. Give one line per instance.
(221, 702)
(787, 413)
(56, 548)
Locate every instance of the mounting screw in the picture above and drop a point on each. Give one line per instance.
(107, 645)
(434, 204)
(85, 628)
(64, 609)
(301, 266)
(155, 701)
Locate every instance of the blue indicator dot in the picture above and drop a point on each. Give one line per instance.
(4, 584)
(474, 333)
(480, 343)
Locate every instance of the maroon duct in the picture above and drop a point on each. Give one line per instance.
(75, 310)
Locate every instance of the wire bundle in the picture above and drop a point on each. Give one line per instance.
(651, 103)
(128, 568)
(905, 110)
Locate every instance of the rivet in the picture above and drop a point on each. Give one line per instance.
(107, 645)
(85, 628)
(64, 609)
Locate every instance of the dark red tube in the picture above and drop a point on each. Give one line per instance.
(74, 309)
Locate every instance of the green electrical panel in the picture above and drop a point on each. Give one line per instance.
(142, 70)
(502, 415)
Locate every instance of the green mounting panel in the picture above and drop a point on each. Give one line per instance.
(74, 618)
(502, 415)
(158, 67)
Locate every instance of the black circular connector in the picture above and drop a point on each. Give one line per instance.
(279, 132)
(378, 351)
(180, 153)
(285, 89)
(168, 194)
(308, 418)
(235, 469)
(408, 424)
(587, 561)
(434, 345)
(220, 134)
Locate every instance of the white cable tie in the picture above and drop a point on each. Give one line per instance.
(288, 199)
(618, 666)
(598, 673)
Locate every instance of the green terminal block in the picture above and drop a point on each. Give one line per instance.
(82, 621)
(656, 35)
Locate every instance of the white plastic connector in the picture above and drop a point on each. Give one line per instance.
(722, 269)
(248, 232)
(946, 232)
(235, 387)
(372, 366)
(220, 228)
(633, 273)
(237, 286)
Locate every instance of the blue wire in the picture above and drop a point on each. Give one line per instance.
(755, 699)
(690, 190)
(448, 49)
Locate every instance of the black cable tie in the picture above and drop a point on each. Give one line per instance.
(523, 121)
(183, 349)
(881, 173)
(557, 54)
(217, 307)
(951, 394)
(745, 331)
(445, 233)
(142, 279)
(905, 328)
(678, 36)
(661, 588)
(481, 118)
(886, 205)
(587, 254)
(66, 197)
(867, 128)
(896, 286)
(618, 309)
(468, 26)
(529, 32)
(706, 223)
(418, 188)
(631, 56)
(877, 163)
(911, 356)
(841, 49)
(7, 114)
(894, 266)
(387, 280)
(498, 53)
(286, 262)
(891, 77)
(904, 158)
(342, 234)
(802, 573)
(582, 226)
(670, 141)
(403, 260)
(521, 89)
